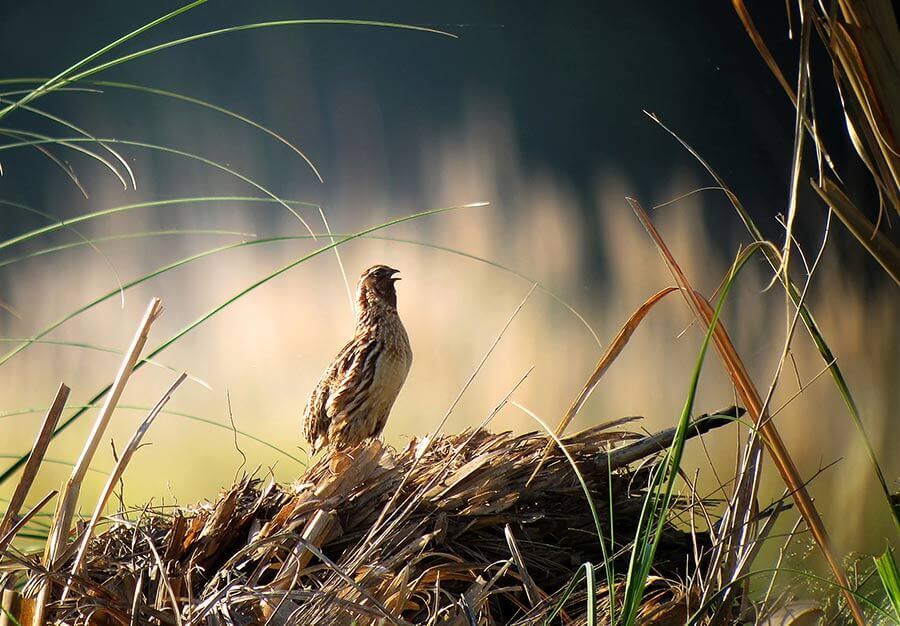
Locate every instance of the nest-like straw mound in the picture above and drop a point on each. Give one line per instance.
(446, 532)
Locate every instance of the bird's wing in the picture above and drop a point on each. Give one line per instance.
(354, 379)
(316, 414)
(315, 420)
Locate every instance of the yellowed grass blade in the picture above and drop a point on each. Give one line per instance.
(612, 352)
(116, 474)
(752, 400)
(863, 41)
(875, 241)
(45, 434)
(762, 48)
(65, 510)
(864, 62)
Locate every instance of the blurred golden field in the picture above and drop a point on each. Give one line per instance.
(266, 350)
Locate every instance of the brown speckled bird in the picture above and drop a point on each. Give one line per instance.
(355, 394)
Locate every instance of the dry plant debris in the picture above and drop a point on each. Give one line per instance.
(447, 533)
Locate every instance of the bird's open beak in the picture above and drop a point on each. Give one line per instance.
(394, 278)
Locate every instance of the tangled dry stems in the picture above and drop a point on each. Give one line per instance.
(446, 533)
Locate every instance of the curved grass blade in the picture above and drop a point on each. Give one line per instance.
(504, 268)
(433, 246)
(17, 92)
(54, 82)
(167, 150)
(246, 27)
(134, 407)
(80, 131)
(129, 207)
(146, 234)
(88, 346)
(185, 330)
(68, 171)
(52, 462)
(81, 236)
(608, 564)
(269, 240)
(812, 327)
(218, 109)
(67, 77)
(71, 143)
(128, 285)
(175, 96)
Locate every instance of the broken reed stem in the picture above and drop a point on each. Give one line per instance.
(660, 442)
(116, 474)
(35, 458)
(65, 511)
(752, 400)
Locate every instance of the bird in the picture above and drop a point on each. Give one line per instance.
(356, 392)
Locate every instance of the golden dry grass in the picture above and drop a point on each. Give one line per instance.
(429, 534)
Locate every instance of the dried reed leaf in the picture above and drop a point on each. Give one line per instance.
(874, 240)
(67, 503)
(35, 458)
(612, 352)
(117, 472)
(228, 561)
(751, 398)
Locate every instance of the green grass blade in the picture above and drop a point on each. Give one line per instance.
(56, 80)
(18, 92)
(129, 207)
(565, 595)
(52, 462)
(246, 27)
(68, 76)
(571, 309)
(811, 326)
(168, 150)
(181, 333)
(890, 579)
(175, 96)
(71, 143)
(264, 241)
(80, 131)
(591, 589)
(647, 545)
(608, 565)
(81, 236)
(88, 346)
(128, 285)
(146, 234)
(144, 409)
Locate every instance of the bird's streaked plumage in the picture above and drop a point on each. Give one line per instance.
(355, 394)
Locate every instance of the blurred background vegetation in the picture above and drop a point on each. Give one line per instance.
(535, 108)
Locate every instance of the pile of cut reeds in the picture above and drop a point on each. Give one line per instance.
(453, 530)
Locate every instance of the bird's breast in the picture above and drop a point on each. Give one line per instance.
(395, 360)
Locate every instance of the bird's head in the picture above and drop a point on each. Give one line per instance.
(376, 287)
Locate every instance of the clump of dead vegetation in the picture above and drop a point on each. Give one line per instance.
(452, 530)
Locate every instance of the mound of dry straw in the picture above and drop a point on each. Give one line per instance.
(449, 531)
